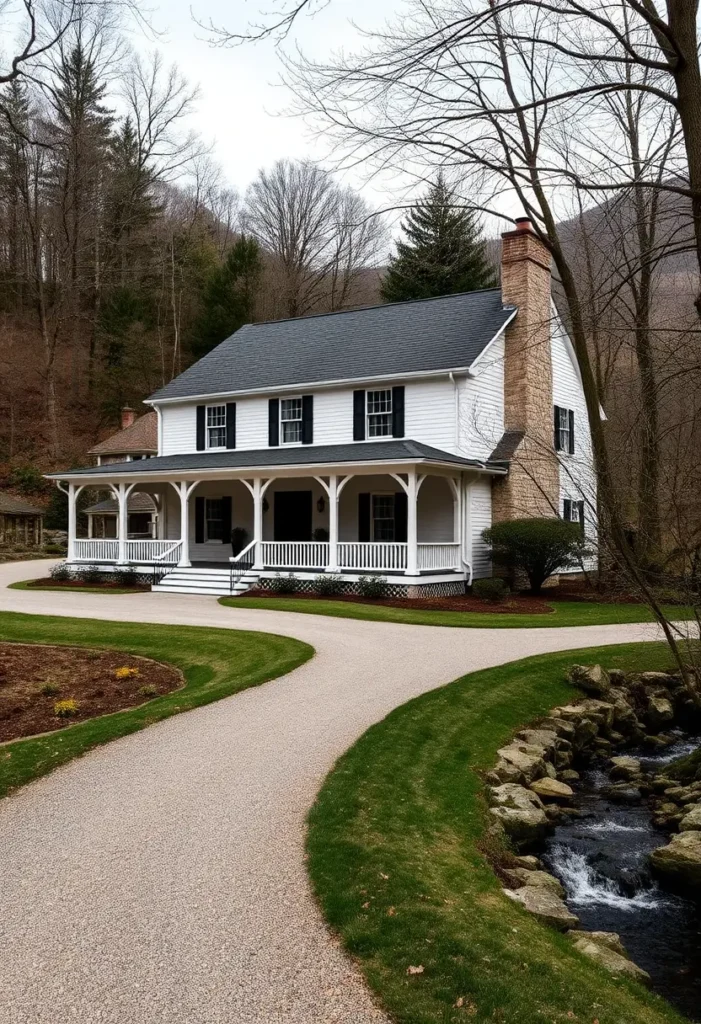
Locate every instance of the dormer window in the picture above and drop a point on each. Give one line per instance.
(216, 426)
(379, 413)
(291, 420)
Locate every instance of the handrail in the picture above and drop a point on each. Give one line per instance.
(173, 547)
(237, 567)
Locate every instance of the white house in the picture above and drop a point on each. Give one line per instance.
(379, 440)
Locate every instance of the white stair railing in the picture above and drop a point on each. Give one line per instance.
(241, 563)
(166, 552)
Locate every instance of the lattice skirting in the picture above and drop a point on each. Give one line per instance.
(353, 588)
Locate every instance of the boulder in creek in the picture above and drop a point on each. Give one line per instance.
(529, 862)
(625, 719)
(609, 958)
(590, 678)
(624, 793)
(544, 738)
(659, 711)
(552, 789)
(522, 876)
(544, 904)
(519, 811)
(624, 767)
(563, 728)
(612, 940)
(691, 822)
(507, 772)
(680, 861)
(569, 775)
(527, 758)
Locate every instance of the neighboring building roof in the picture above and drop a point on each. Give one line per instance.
(137, 502)
(140, 437)
(444, 333)
(304, 455)
(507, 446)
(10, 505)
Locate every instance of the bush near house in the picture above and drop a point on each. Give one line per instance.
(492, 589)
(537, 547)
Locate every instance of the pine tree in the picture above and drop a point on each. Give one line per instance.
(229, 296)
(444, 252)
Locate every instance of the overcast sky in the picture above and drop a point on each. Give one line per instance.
(240, 95)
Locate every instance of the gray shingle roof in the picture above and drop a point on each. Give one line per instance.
(507, 446)
(137, 502)
(444, 333)
(17, 506)
(305, 455)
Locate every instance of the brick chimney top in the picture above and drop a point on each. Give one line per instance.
(523, 224)
(128, 417)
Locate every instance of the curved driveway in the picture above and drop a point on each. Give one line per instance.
(160, 879)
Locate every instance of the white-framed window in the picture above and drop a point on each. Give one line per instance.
(379, 413)
(291, 420)
(216, 426)
(382, 521)
(213, 519)
(573, 512)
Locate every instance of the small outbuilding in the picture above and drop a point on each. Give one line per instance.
(20, 522)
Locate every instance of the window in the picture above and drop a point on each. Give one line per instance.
(213, 519)
(382, 517)
(564, 430)
(379, 413)
(216, 426)
(573, 512)
(291, 420)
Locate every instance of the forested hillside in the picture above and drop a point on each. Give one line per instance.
(123, 254)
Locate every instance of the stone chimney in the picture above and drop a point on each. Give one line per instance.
(128, 417)
(532, 486)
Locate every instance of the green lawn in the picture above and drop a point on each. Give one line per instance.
(215, 663)
(564, 613)
(395, 855)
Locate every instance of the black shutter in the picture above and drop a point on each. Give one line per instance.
(358, 415)
(556, 435)
(199, 520)
(400, 513)
(363, 517)
(201, 413)
(398, 411)
(567, 510)
(307, 419)
(581, 518)
(274, 422)
(226, 518)
(231, 425)
(571, 416)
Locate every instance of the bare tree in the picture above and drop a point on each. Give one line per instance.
(319, 235)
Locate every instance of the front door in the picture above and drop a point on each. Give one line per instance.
(293, 515)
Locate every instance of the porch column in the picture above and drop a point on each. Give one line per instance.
(123, 492)
(412, 554)
(333, 524)
(184, 490)
(72, 493)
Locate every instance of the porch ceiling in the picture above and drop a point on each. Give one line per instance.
(362, 456)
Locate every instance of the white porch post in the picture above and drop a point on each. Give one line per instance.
(412, 554)
(72, 493)
(333, 523)
(258, 523)
(184, 491)
(123, 492)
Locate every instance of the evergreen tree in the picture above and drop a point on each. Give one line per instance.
(229, 296)
(444, 251)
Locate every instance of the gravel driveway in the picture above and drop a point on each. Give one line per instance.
(161, 879)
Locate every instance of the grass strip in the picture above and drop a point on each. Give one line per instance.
(215, 663)
(32, 585)
(564, 613)
(395, 845)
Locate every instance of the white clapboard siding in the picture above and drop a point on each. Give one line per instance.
(481, 416)
(480, 517)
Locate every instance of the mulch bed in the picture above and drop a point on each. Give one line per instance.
(75, 584)
(517, 604)
(28, 671)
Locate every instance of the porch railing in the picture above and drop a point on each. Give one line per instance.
(294, 554)
(96, 550)
(389, 555)
(166, 551)
(438, 556)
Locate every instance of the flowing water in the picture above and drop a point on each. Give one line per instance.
(601, 859)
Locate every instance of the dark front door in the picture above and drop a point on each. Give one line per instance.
(293, 515)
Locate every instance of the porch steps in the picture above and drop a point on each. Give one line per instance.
(203, 580)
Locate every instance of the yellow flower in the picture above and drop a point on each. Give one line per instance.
(66, 708)
(126, 673)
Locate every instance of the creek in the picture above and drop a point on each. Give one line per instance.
(601, 859)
